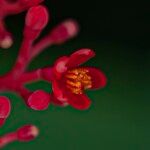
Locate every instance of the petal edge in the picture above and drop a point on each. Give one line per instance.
(79, 57)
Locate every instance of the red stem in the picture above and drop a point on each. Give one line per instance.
(2, 26)
(30, 76)
(40, 46)
(12, 8)
(18, 85)
(45, 73)
(22, 59)
(24, 93)
(8, 138)
(7, 9)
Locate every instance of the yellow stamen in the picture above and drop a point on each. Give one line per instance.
(78, 80)
(71, 76)
(75, 84)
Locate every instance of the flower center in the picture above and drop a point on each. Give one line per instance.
(78, 80)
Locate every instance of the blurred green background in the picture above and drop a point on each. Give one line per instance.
(119, 116)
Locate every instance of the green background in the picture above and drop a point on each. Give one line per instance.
(119, 116)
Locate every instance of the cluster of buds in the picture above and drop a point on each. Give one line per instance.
(11, 7)
(68, 78)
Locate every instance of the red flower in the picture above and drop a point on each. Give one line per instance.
(70, 80)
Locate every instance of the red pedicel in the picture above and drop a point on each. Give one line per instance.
(24, 134)
(39, 100)
(7, 138)
(27, 133)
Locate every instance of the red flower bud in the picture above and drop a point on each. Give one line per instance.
(5, 107)
(39, 100)
(37, 17)
(64, 31)
(27, 133)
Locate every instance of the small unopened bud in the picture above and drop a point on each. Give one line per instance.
(39, 100)
(27, 133)
(37, 17)
(36, 20)
(5, 107)
(66, 30)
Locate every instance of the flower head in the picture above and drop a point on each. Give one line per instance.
(70, 80)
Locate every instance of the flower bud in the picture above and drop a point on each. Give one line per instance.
(5, 107)
(66, 30)
(37, 17)
(36, 20)
(27, 133)
(39, 100)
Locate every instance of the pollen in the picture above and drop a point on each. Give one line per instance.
(78, 80)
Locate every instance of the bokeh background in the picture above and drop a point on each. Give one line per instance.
(119, 115)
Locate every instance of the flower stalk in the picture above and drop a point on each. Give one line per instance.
(23, 134)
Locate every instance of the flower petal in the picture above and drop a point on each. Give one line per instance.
(39, 100)
(5, 107)
(56, 89)
(79, 101)
(79, 57)
(55, 101)
(60, 66)
(98, 78)
(59, 91)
